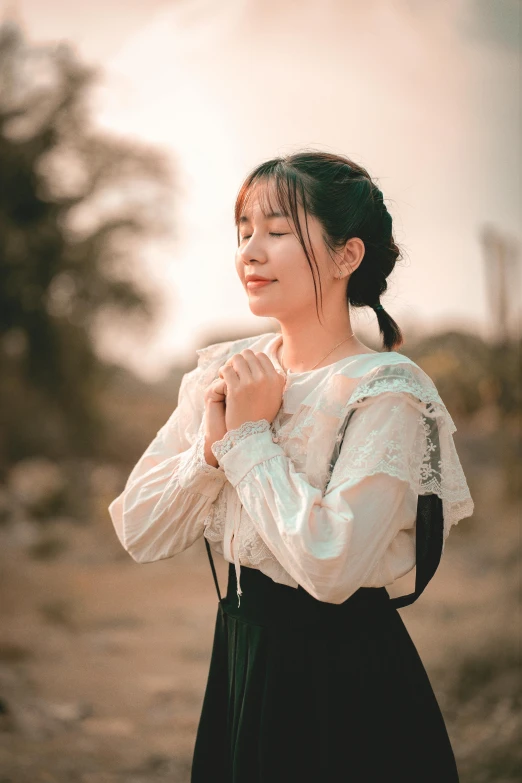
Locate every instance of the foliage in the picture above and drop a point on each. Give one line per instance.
(74, 202)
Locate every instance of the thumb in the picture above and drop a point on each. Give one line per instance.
(219, 386)
(217, 390)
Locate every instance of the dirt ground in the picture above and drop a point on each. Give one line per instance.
(103, 661)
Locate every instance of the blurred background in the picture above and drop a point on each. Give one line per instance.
(126, 129)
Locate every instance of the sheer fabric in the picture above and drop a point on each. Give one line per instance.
(271, 503)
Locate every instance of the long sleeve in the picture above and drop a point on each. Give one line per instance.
(330, 542)
(170, 490)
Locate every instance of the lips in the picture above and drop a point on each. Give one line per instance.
(258, 283)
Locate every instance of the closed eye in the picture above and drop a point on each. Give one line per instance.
(272, 234)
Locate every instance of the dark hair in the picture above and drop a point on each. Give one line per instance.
(343, 197)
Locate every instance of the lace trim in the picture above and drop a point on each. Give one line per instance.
(251, 547)
(403, 383)
(199, 458)
(196, 462)
(214, 523)
(397, 379)
(233, 437)
(430, 465)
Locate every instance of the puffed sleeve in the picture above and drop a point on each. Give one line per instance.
(170, 490)
(329, 542)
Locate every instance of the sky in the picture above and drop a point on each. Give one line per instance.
(425, 95)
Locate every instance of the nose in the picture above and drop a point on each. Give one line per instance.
(252, 250)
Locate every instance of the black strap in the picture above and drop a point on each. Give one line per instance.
(213, 569)
(429, 529)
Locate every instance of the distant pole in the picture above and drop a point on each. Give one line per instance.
(502, 271)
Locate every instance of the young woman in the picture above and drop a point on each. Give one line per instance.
(322, 471)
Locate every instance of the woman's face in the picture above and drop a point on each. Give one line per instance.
(269, 248)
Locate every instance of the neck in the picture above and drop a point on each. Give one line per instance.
(306, 343)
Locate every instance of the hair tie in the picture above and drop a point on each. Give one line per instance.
(378, 307)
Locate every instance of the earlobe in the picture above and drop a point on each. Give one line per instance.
(345, 270)
(354, 252)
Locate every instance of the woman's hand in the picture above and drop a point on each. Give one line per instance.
(254, 388)
(215, 427)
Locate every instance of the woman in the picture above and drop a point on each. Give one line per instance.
(321, 471)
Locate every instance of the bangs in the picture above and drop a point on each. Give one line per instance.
(279, 189)
(276, 190)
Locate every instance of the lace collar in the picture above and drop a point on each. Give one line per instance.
(334, 382)
(334, 388)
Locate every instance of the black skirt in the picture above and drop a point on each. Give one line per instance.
(303, 691)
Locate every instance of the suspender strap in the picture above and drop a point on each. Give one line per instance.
(429, 526)
(428, 546)
(213, 569)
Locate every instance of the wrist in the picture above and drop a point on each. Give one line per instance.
(232, 425)
(208, 454)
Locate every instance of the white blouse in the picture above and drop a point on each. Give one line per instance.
(267, 504)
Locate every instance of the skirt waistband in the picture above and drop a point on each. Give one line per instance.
(268, 603)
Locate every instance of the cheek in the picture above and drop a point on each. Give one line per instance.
(294, 269)
(288, 262)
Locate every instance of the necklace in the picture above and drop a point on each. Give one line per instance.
(320, 360)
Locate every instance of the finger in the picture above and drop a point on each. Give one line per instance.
(231, 377)
(244, 367)
(266, 363)
(214, 396)
(271, 371)
(219, 386)
(227, 365)
(256, 368)
(230, 362)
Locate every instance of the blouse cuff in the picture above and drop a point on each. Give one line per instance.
(196, 475)
(243, 448)
(232, 437)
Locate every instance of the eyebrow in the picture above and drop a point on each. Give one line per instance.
(243, 219)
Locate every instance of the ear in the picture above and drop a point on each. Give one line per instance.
(352, 255)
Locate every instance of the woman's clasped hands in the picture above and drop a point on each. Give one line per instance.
(253, 388)
(249, 388)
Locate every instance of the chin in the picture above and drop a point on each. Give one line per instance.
(258, 309)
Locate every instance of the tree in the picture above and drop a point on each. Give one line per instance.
(74, 203)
